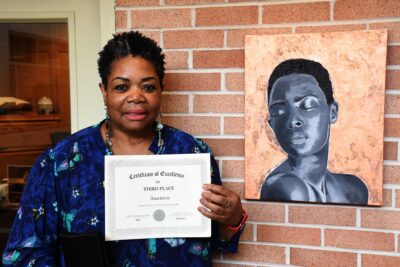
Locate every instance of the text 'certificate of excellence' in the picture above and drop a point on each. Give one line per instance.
(155, 196)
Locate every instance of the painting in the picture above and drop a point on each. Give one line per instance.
(314, 117)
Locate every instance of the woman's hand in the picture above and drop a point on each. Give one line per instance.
(221, 204)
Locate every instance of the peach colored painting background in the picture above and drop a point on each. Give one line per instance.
(356, 62)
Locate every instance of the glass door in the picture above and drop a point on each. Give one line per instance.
(34, 98)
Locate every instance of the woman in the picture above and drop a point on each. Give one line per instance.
(301, 110)
(65, 194)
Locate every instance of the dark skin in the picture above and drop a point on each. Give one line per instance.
(133, 96)
(340, 188)
(301, 118)
(133, 99)
(215, 199)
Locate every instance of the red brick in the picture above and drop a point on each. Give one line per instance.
(236, 36)
(393, 30)
(175, 103)
(176, 60)
(265, 212)
(121, 19)
(135, 3)
(317, 258)
(238, 1)
(369, 260)
(194, 124)
(322, 215)
(216, 255)
(192, 81)
(289, 235)
(392, 104)
(232, 168)
(380, 219)
(155, 35)
(219, 103)
(258, 253)
(397, 198)
(193, 39)
(234, 81)
(160, 18)
(359, 240)
(392, 127)
(233, 125)
(387, 198)
(390, 151)
(241, 15)
(226, 147)
(391, 174)
(365, 9)
(236, 187)
(302, 12)
(393, 55)
(247, 234)
(191, 2)
(220, 264)
(218, 59)
(393, 79)
(331, 28)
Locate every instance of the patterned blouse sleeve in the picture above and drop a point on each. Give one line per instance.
(33, 238)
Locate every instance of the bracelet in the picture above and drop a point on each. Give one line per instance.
(241, 224)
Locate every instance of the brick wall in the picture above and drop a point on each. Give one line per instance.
(204, 94)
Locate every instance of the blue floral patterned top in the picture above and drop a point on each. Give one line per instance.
(64, 193)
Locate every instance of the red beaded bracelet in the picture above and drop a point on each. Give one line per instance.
(241, 224)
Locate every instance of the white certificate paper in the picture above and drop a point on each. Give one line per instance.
(155, 196)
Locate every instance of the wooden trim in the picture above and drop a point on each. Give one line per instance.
(29, 117)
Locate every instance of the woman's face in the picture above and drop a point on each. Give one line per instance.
(299, 114)
(133, 94)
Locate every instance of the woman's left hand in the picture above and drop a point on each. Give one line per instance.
(221, 204)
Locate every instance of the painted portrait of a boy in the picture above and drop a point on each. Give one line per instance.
(314, 117)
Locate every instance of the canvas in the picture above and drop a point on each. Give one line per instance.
(314, 117)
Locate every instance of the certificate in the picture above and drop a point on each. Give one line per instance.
(155, 196)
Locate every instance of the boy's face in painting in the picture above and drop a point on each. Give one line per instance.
(299, 114)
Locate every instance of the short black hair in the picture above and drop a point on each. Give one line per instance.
(130, 43)
(303, 66)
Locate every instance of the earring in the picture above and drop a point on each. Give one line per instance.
(159, 127)
(108, 130)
